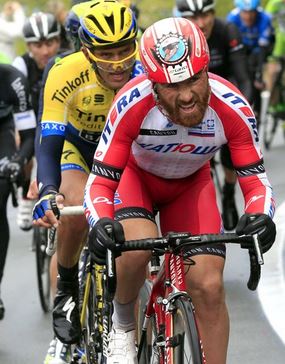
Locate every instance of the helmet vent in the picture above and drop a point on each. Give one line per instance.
(98, 25)
(110, 22)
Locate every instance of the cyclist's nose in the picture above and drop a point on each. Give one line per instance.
(117, 67)
(185, 94)
(199, 20)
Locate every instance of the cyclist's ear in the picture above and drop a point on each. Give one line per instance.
(86, 54)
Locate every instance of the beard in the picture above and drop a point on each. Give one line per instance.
(188, 119)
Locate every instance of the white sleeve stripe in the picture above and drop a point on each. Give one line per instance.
(90, 211)
(25, 120)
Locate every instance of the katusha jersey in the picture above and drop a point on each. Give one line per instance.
(137, 131)
(75, 109)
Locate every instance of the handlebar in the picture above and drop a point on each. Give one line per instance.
(176, 242)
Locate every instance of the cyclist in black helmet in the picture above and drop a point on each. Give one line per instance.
(41, 34)
(227, 59)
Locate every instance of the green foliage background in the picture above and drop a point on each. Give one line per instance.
(150, 10)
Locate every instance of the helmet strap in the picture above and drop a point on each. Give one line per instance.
(157, 102)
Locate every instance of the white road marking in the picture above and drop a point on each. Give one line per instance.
(271, 290)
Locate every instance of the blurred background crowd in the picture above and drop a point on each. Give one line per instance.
(13, 14)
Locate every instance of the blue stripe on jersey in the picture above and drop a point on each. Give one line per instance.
(52, 128)
(69, 166)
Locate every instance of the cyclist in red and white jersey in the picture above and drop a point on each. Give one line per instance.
(154, 153)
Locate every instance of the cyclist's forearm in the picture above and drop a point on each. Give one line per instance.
(257, 192)
(48, 159)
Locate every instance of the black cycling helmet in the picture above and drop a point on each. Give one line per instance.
(41, 26)
(194, 7)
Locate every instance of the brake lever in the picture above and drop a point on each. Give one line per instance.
(258, 250)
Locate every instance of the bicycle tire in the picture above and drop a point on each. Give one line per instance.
(187, 349)
(92, 327)
(89, 334)
(42, 266)
(143, 298)
(269, 130)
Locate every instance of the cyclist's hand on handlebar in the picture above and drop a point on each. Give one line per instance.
(260, 224)
(47, 210)
(105, 234)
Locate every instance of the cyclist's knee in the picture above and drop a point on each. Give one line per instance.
(208, 291)
(74, 225)
(134, 261)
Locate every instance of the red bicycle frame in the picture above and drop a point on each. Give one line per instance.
(168, 282)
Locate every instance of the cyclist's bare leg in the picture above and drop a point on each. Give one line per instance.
(272, 69)
(133, 264)
(205, 283)
(73, 229)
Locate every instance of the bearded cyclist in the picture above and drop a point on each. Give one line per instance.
(162, 130)
(78, 94)
(227, 59)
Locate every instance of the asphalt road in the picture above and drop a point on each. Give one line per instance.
(257, 318)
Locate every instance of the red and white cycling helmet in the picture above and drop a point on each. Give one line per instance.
(173, 50)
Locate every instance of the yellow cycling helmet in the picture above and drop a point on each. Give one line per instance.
(107, 24)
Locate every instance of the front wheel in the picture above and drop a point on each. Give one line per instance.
(145, 340)
(40, 236)
(186, 344)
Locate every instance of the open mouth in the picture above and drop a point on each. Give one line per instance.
(187, 108)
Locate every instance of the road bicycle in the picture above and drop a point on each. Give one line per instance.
(44, 246)
(167, 330)
(273, 108)
(95, 300)
(168, 333)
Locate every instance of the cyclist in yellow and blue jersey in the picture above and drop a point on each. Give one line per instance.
(77, 97)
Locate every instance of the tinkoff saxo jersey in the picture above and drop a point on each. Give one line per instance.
(75, 109)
